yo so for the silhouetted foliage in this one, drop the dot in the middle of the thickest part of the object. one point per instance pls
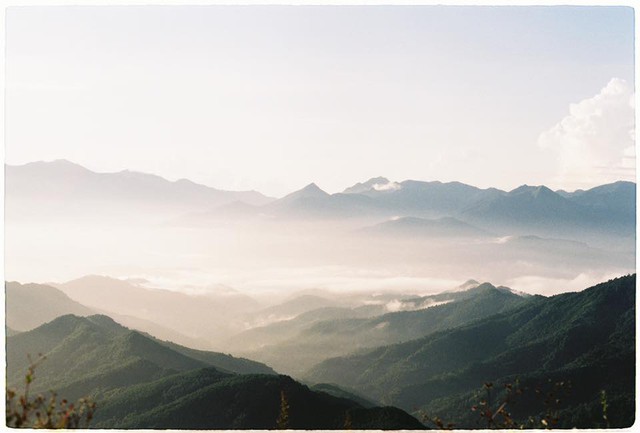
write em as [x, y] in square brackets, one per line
[40, 411]
[282, 423]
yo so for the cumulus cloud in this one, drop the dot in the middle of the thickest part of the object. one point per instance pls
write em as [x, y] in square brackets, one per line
[595, 143]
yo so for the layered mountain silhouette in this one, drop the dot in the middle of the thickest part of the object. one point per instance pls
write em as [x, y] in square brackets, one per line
[209, 399]
[140, 382]
[586, 339]
[203, 317]
[431, 198]
[92, 355]
[312, 202]
[30, 305]
[296, 345]
[61, 188]
[412, 227]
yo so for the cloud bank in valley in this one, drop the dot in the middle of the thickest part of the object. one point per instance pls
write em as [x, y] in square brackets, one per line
[595, 143]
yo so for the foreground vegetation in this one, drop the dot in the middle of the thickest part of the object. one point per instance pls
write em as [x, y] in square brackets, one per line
[560, 362]
[45, 410]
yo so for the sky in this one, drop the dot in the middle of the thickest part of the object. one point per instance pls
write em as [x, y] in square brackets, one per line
[274, 98]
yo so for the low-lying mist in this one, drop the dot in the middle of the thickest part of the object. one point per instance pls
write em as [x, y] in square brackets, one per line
[276, 258]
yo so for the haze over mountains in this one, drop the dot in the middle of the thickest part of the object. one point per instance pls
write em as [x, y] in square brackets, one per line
[585, 339]
[140, 382]
[420, 353]
[57, 183]
[158, 298]
[375, 234]
[62, 182]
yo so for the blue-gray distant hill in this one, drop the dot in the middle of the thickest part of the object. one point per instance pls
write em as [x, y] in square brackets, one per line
[61, 189]
[413, 227]
[608, 208]
[424, 198]
[313, 202]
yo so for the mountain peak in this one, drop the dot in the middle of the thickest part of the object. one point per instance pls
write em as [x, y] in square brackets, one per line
[534, 190]
[312, 187]
[374, 184]
[310, 191]
[470, 283]
[376, 180]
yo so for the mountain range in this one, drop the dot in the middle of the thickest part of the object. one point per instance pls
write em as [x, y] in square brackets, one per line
[63, 188]
[295, 345]
[140, 382]
[427, 355]
[584, 339]
[91, 355]
[153, 357]
[199, 317]
[30, 305]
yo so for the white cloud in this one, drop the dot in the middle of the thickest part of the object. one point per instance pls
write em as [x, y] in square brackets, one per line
[390, 186]
[549, 286]
[595, 143]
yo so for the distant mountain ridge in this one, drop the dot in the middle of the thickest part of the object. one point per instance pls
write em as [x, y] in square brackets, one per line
[63, 188]
[50, 185]
[196, 316]
[423, 227]
[31, 305]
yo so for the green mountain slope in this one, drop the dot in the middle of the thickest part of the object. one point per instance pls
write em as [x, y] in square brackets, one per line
[336, 337]
[95, 354]
[587, 338]
[209, 399]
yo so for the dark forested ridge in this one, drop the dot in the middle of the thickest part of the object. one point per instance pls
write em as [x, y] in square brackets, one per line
[140, 382]
[586, 339]
[93, 355]
[209, 399]
[571, 357]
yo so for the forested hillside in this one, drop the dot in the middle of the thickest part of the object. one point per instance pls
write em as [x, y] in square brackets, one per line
[585, 338]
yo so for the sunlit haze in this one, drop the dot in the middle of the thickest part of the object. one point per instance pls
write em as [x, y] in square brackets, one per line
[152, 143]
[274, 98]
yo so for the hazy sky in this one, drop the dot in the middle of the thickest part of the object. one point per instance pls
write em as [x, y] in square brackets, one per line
[273, 98]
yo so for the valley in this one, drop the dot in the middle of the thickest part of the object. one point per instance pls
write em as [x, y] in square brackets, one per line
[233, 310]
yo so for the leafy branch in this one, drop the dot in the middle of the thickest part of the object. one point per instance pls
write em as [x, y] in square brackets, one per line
[23, 411]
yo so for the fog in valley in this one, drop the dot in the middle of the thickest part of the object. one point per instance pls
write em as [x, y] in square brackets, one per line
[221, 270]
[320, 217]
